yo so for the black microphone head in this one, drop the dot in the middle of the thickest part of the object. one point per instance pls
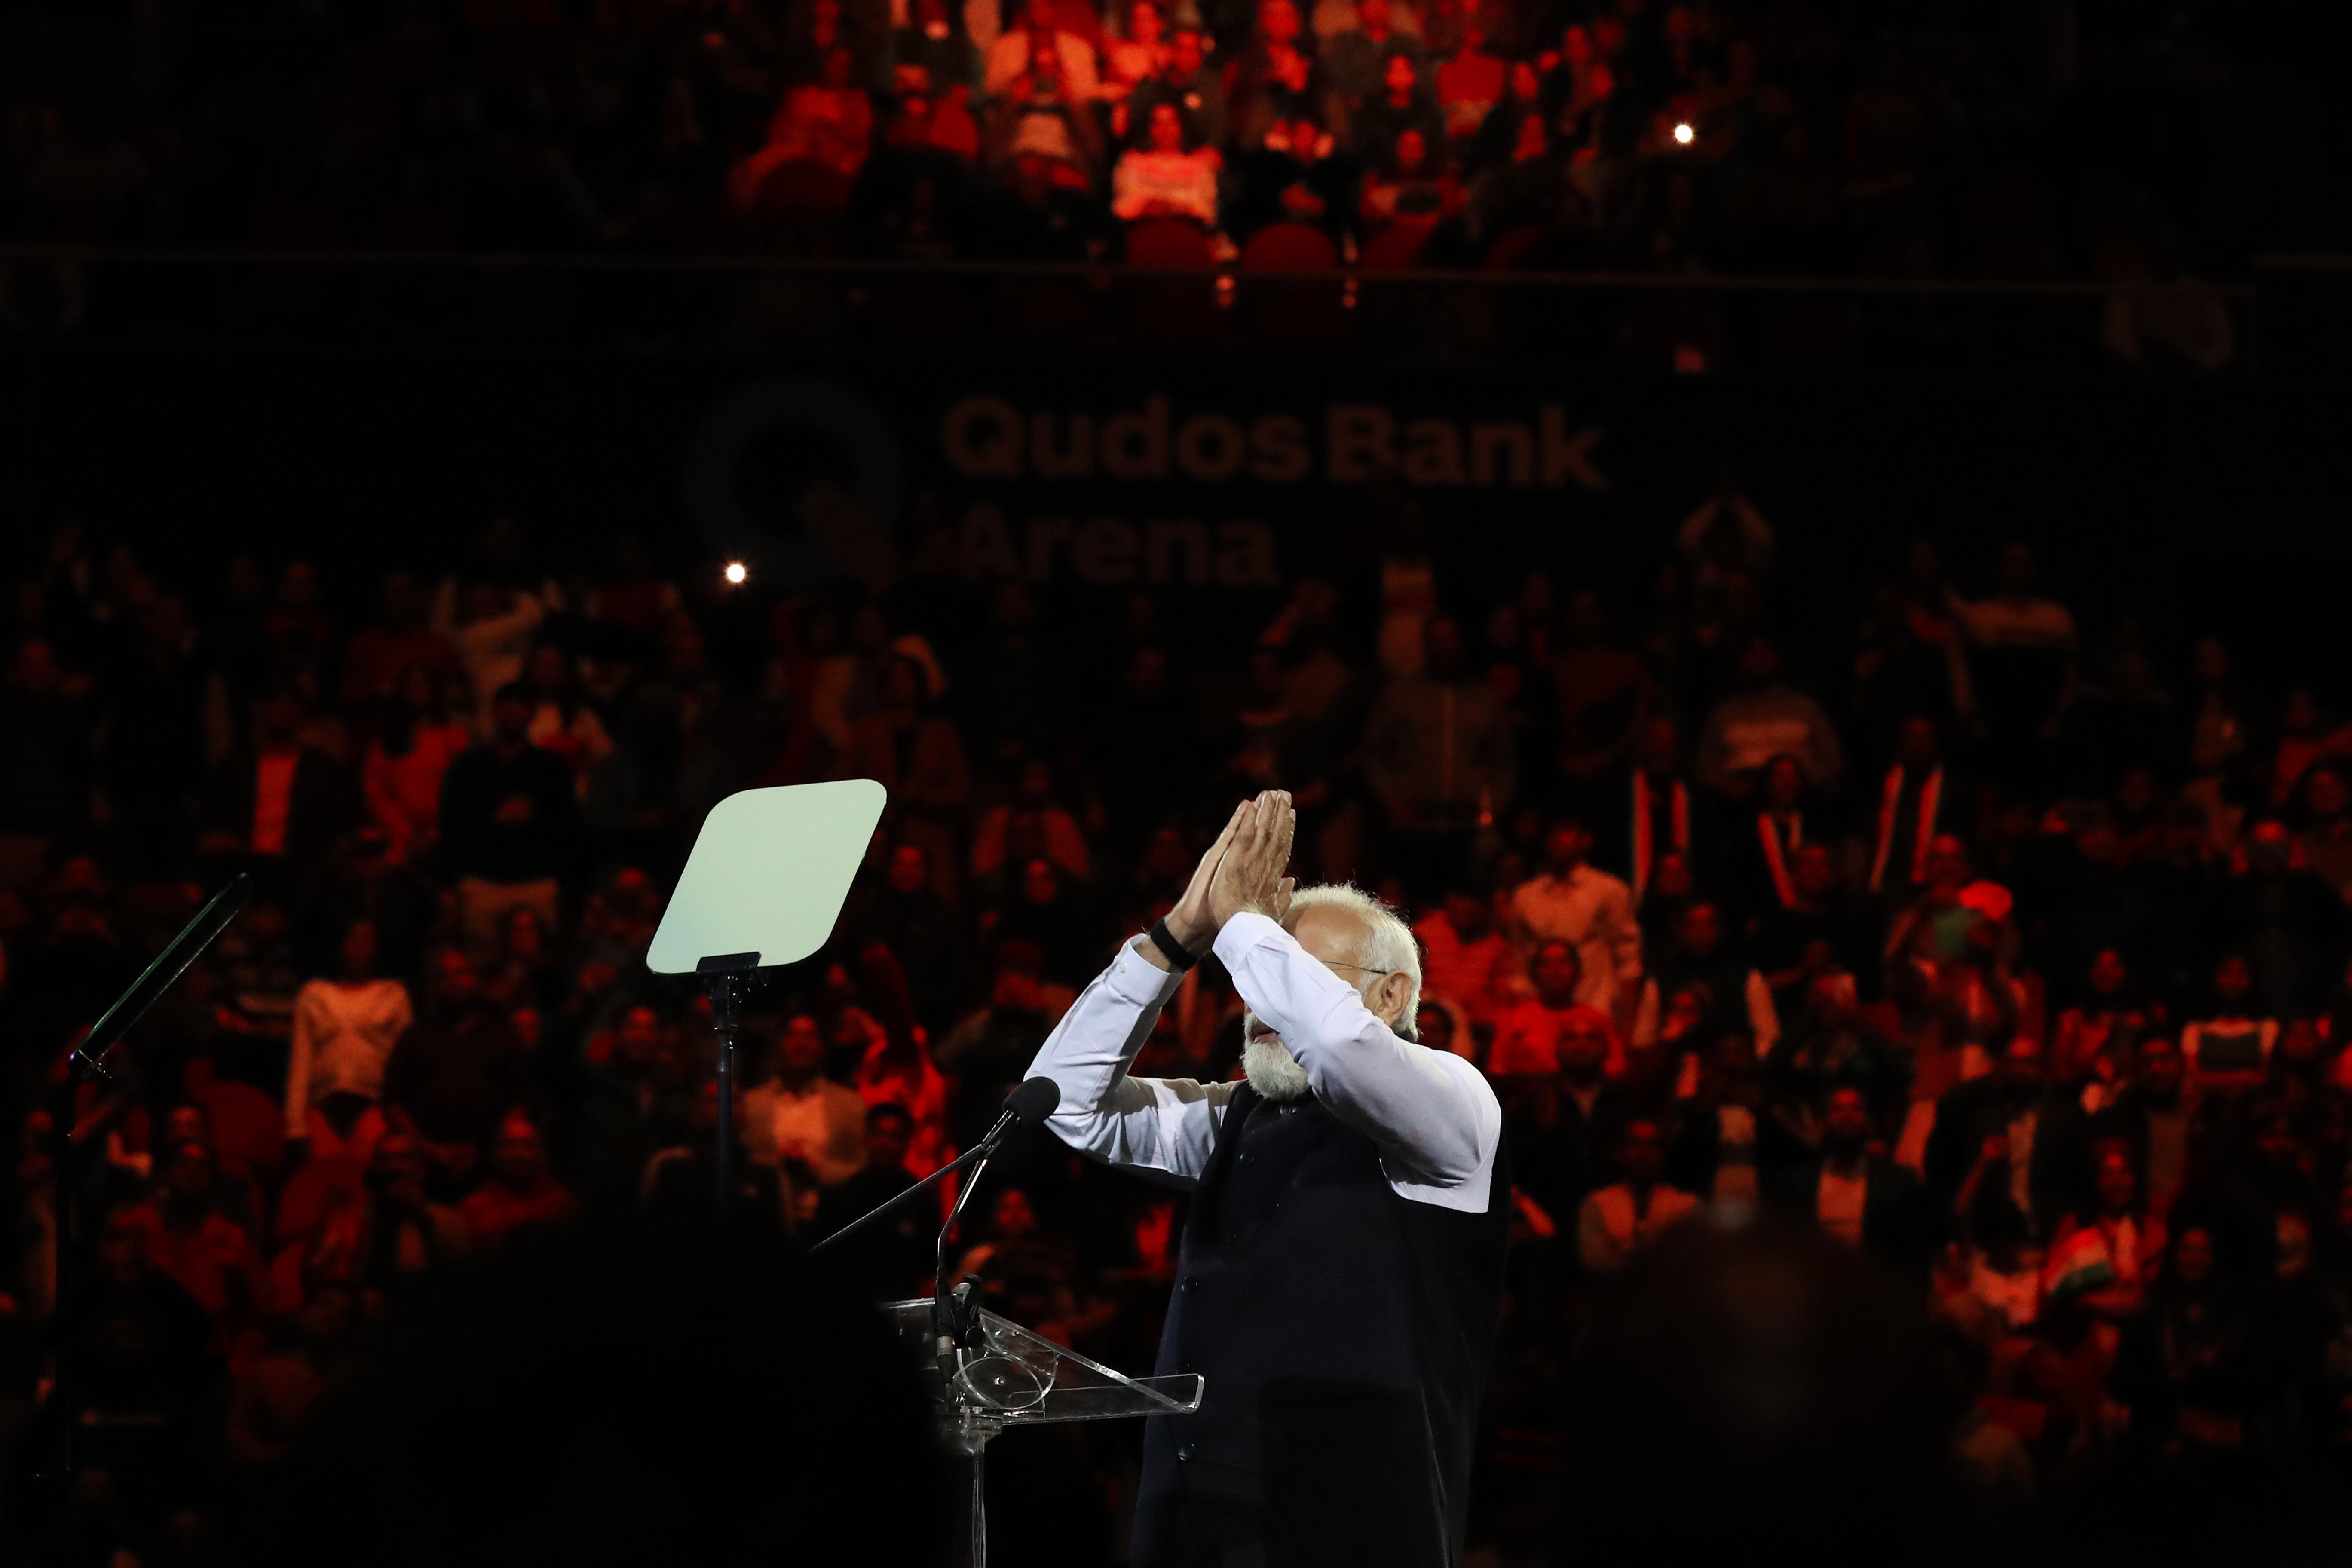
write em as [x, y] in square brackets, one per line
[1033, 1101]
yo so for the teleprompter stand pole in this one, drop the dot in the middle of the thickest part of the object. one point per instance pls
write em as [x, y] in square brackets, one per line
[727, 978]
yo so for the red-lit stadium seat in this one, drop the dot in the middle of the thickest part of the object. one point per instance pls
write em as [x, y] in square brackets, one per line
[1289, 246]
[1167, 242]
[1395, 247]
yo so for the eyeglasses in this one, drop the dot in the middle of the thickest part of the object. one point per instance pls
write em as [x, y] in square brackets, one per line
[1335, 963]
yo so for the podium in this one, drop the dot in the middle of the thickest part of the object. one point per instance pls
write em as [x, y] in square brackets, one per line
[1007, 1377]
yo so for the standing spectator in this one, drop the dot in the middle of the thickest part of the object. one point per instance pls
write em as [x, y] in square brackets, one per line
[1354, 61]
[1654, 819]
[2023, 670]
[890, 1259]
[1913, 802]
[1764, 857]
[1762, 718]
[508, 819]
[1589, 909]
[2230, 1040]
[379, 657]
[559, 721]
[345, 1028]
[1622, 1219]
[1437, 754]
[457, 1070]
[1853, 1192]
[1465, 960]
[281, 805]
[809, 1119]
[492, 636]
[1527, 1035]
[400, 772]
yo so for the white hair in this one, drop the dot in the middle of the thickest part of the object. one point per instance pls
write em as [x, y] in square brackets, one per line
[1387, 945]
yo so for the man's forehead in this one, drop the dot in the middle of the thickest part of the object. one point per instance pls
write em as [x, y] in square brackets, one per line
[1329, 931]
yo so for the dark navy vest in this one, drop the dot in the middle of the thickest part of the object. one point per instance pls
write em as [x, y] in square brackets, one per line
[1343, 1332]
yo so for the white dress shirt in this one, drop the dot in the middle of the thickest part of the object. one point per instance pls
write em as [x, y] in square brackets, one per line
[1433, 1115]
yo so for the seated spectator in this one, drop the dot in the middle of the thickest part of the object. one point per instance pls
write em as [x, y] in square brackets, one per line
[2107, 1257]
[1409, 186]
[912, 197]
[1044, 118]
[1620, 1219]
[400, 772]
[273, 1393]
[892, 1258]
[508, 819]
[345, 1029]
[1853, 1191]
[828, 122]
[1162, 178]
[518, 1190]
[280, 806]
[1465, 959]
[1528, 1033]
[2186, 1364]
[2000, 1158]
[142, 1348]
[921, 931]
[457, 1070]
[211, 1257]
[1761, 720]
[1355, 62]
[2227, 1042]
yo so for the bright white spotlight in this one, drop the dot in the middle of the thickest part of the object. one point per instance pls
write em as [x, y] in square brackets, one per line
[1683, 133]
[736, 572]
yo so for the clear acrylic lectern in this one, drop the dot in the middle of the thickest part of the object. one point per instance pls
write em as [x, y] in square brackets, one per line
[1007, 1377]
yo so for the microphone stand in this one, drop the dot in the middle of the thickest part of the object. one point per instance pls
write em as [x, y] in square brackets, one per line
[86, 1063]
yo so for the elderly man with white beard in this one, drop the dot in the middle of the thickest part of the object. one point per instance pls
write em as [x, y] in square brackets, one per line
[1342, 1265]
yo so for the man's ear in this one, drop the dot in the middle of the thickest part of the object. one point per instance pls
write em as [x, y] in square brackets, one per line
[1391, 993]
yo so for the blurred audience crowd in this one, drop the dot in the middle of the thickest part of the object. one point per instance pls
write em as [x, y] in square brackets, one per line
[2009, 950]
[2065, 140]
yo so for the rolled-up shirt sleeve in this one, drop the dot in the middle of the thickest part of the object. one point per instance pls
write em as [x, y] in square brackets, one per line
[1162, 1127]
[1432, 1114]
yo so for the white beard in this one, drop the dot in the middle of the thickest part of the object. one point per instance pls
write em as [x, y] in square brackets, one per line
[1271, 1069]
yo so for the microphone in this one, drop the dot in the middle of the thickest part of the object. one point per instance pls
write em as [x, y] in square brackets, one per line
[1027, 1105]
[954, 1312]
[1031, 1102]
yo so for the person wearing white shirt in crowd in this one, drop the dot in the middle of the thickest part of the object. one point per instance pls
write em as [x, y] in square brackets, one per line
[1622, 1219]
[1342, 1263]
[1592, 911]
[344, 1030]
[1161, 179]
[800, 1114]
